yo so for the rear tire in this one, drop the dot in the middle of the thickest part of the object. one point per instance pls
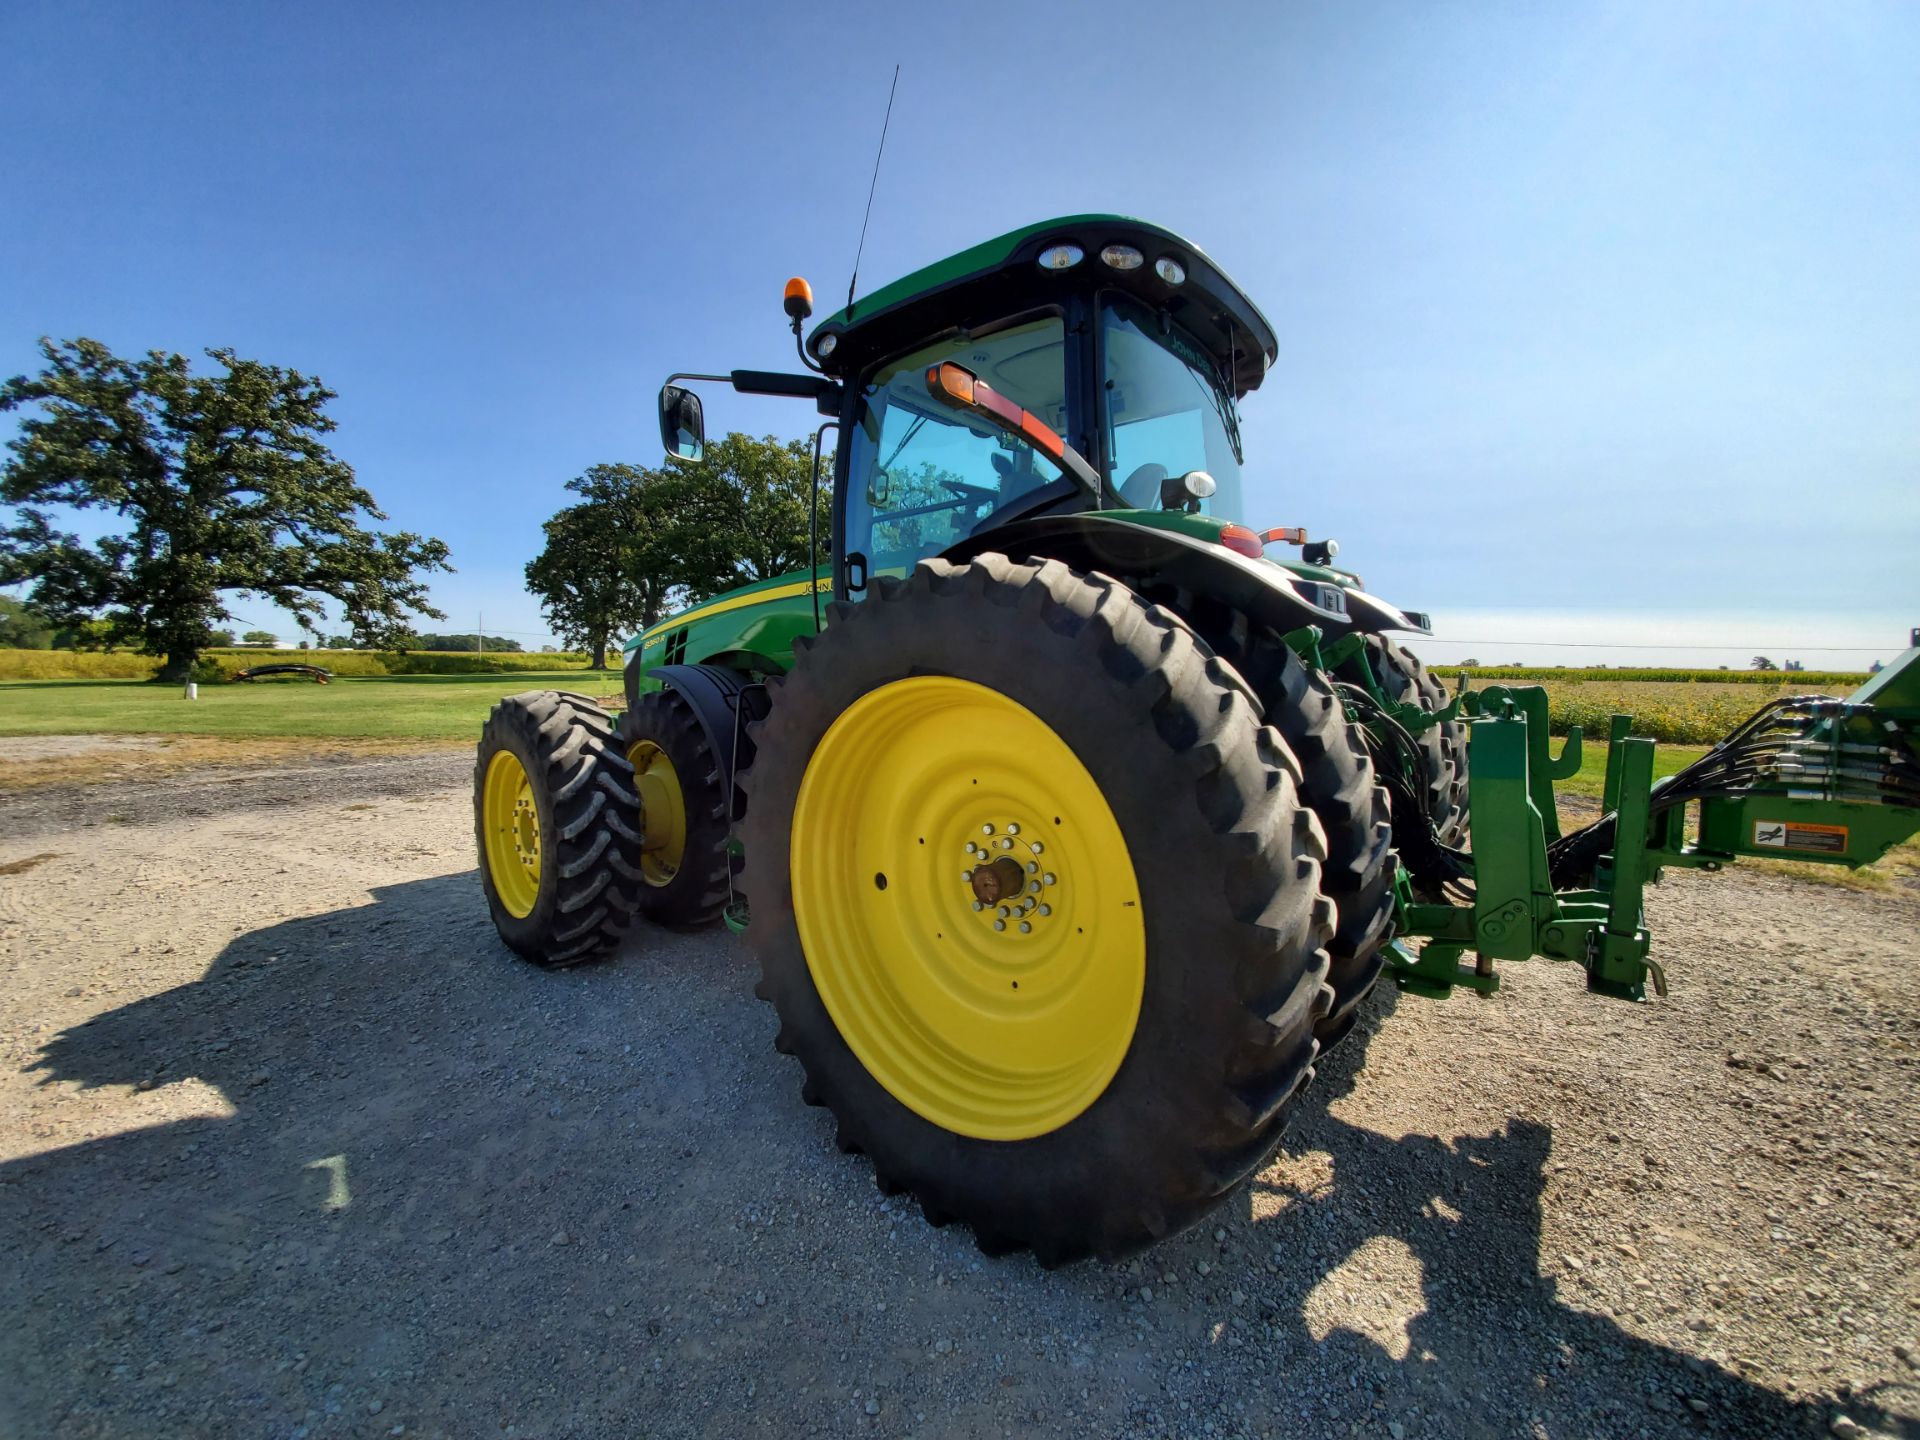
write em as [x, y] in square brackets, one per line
[555, 820]
[1221, 861]
[1404, 678]
[1338, 782]
[683, 811]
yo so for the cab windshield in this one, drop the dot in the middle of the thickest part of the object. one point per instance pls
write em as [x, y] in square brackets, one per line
[923, 475]
[1167, 412]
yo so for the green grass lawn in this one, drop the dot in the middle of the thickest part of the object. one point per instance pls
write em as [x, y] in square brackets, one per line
[407, 707]
[400, 707]
[1592, 777]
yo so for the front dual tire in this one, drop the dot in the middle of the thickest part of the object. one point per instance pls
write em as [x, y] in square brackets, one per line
[557, 826]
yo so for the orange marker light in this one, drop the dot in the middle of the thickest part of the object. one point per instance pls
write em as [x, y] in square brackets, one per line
[1242, 541]
[1292, 534]
[952, 383]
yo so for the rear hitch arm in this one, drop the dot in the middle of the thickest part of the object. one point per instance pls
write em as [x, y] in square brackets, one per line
[1825, 781]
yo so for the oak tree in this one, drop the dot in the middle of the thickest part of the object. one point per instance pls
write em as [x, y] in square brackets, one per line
[221, 484]
[603, 569]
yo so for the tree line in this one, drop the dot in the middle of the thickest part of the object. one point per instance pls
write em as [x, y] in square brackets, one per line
[641, 543]
[222, 485]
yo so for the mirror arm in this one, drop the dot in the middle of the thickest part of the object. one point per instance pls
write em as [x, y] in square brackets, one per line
[826, 393]
[777, 382]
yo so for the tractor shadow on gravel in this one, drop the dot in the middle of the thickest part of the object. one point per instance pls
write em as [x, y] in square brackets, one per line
[473, 1193]
[1483, 1343]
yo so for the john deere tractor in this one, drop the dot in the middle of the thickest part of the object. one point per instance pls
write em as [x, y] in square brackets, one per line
[1069, 817]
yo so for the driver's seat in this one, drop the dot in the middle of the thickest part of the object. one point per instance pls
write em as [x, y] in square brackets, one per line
[1141, 489]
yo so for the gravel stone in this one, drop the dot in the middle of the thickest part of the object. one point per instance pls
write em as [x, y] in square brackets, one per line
[381, 1219]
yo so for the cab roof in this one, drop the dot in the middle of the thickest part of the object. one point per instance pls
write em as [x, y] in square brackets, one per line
[1002, 277]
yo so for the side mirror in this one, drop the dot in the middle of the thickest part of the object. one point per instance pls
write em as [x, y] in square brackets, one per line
[683, 424]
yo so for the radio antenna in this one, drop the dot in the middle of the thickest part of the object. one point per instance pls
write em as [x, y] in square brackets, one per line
[872, 185]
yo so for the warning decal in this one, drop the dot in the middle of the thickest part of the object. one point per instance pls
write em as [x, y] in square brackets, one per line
[1796, 835]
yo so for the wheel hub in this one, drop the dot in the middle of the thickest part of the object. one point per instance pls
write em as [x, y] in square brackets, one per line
[526, 832]
[1012, 891]
[663, 813]
[511, 822]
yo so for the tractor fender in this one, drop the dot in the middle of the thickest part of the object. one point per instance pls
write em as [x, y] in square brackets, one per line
[1263, 591]
[1371, 615]
[716, 695]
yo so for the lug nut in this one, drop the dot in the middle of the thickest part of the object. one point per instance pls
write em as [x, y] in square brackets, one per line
[978, 905]
[1025, 928]
[1006, 844]
[1038, 848]
[1046, 909]
[1048, 878]
[986, 829]
[1003, 912]
[1033, 867]
[1013, 829]
[999, 924]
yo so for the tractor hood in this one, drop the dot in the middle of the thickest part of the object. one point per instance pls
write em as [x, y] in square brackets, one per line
[1365, 612]
[1142, 547]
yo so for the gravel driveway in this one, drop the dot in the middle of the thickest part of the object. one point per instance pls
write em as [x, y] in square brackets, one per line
[290, 1145]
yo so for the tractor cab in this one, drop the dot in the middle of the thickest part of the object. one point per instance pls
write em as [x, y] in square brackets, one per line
[974, 386]
[1091, 363]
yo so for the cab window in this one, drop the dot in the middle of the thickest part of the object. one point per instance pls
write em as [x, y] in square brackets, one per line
[1168, 411]
[921, 475]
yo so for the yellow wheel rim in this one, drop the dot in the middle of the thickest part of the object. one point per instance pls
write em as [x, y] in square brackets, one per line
[663, 813]
[512, 824]
[1000, 1020]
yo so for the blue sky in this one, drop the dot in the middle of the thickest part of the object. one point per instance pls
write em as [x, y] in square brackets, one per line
[1600, 323]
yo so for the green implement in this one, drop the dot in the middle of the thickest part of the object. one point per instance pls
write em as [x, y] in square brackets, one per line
[1834, 782]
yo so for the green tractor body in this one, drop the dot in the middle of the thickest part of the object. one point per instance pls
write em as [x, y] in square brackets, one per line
[1139, 375]
[1070, 816]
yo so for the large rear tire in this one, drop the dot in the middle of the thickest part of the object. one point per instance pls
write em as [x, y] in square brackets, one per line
[1339, 784]
[1091, 1058]
[683, 811]
[1405, 678]
[555, 820]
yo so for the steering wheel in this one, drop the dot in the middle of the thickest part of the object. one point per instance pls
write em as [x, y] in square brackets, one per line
[969, 492]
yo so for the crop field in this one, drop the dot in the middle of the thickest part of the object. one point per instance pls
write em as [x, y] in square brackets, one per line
[1839, 681]
[1680, 712]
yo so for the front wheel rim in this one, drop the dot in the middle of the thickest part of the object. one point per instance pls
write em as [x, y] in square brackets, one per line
[510, 819]
[1001, 1018]
[663, 813]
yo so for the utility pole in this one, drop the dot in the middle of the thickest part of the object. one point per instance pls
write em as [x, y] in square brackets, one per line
[480, 635]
